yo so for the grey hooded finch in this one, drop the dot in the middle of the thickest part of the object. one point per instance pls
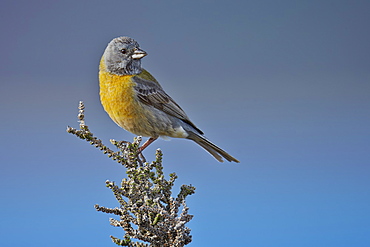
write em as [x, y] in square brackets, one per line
[135, 100]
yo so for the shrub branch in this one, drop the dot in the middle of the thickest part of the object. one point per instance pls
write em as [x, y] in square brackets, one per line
[147, 212]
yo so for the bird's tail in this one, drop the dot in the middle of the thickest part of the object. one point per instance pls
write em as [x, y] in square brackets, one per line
[211, 148]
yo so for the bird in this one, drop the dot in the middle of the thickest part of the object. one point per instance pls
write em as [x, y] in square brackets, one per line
[136, 101]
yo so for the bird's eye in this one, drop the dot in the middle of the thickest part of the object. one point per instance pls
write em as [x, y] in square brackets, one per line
[123, 51]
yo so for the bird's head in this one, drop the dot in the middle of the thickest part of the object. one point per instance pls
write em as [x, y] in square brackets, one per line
[123, 56]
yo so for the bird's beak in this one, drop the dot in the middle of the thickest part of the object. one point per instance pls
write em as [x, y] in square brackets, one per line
[139, 54]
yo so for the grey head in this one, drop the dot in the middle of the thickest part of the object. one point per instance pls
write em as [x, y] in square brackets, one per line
[123, 56]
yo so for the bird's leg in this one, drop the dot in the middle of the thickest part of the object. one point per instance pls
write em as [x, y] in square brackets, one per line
[147, 143]
[141, 158]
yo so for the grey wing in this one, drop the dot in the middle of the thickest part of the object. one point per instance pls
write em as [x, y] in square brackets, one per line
[152, 94]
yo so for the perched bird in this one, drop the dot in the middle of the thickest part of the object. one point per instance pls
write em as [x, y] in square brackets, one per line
[135, 100]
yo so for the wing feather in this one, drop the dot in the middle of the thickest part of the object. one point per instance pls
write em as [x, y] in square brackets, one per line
[151, 93]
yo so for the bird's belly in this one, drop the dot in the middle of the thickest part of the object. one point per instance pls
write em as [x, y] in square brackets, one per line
[119, 100]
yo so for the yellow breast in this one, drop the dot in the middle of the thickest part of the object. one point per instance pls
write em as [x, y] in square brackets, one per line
[117, 96]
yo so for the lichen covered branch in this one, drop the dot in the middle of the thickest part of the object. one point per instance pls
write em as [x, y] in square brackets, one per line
[147, 211]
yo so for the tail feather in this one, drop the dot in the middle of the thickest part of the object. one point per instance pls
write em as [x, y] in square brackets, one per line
[214, 150]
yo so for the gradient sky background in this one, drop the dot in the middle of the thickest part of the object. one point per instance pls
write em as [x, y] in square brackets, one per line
[284, 86]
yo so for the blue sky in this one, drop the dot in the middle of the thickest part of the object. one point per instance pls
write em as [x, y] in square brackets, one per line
[283, 86]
